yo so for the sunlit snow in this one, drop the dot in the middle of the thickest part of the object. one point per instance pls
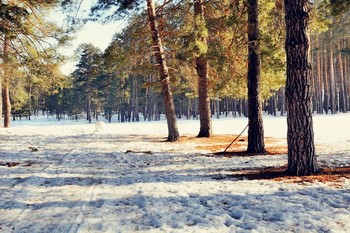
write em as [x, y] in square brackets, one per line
[69, 176]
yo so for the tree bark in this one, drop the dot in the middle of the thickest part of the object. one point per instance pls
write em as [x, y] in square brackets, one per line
[173, 133]
[202, 72]
[6, 87]
[256, 130]
[342, 105]
[347, 72]
[7, 104]
[147, 96]
[319, 79]
[332, 85]
[1, 103]
[325, 84]
[282, 102]
[88, 109]
[136, 110]
[346, 80]
[313, 89]
[2, 76]
[301, 148]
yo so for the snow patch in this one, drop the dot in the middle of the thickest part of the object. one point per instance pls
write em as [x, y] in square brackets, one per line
[81, 180]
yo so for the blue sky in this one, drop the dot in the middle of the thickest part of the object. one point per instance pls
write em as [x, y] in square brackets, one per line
[96, 33]
[93, 32]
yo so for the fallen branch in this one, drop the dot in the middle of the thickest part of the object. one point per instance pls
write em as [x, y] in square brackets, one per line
[236, 138]
[139, 152]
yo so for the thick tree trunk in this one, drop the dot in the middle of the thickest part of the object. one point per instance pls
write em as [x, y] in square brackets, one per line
[173, 133]
[202, 71]
[255, 121]
[301, 148]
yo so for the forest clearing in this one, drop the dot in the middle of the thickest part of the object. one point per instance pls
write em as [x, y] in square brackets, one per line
[68, 176]
[191, 116]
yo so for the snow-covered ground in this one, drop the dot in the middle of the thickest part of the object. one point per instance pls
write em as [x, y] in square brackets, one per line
[71, 176]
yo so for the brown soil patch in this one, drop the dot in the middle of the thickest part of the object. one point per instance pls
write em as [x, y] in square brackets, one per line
[327, 175]
[218, 143]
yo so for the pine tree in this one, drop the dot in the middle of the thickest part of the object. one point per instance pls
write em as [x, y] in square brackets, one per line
[256, 130]
[201, 34]
[300, 137]
[173, 133]
[24, 32]
[88, 69]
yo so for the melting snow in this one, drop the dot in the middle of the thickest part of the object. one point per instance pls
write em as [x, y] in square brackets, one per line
[72, 176]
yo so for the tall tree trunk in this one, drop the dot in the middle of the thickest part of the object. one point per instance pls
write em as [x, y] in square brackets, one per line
[332, 85]
[188, 112]
[342, 106]
[6, 87]
[147, 96]
[88, 109]
[173, 133]
[325, 83]
[347, 72]
[2, 76]
[313, 89]
[217, 104]
[1, 103]
[136, 111]
[319, 79]
[202, 70]
[301, 148]
[240, 107]
[255, 121]
[236, 107]
[7, 103]
[282, 103]
[346, 79]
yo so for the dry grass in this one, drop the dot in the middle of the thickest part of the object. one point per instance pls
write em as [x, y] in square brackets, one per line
[218, 143]
[334, 175]
[274, 146]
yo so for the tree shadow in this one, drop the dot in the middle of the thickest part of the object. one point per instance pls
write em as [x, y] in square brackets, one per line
[305, 209]
[326, 174]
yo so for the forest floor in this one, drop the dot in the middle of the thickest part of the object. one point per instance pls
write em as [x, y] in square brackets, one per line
[230, 146]
[76, 177]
